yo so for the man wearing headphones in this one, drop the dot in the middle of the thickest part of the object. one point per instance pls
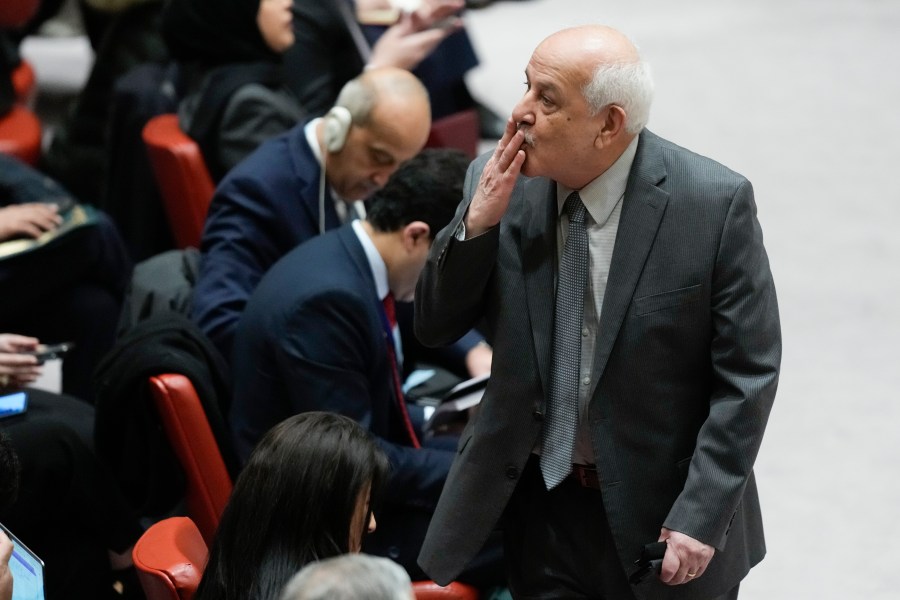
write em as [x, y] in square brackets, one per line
[300, 184]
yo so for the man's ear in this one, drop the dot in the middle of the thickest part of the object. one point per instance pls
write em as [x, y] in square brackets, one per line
[414, 233]
[612, 125]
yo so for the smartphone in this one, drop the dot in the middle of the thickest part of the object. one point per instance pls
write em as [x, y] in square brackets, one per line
[50, 352]
[27, 570]
[451, 22]
[13, 404]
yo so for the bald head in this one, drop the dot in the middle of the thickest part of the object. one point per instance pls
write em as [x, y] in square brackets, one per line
[389, 86]
[390, 118]
[596, 43]
[610, 68]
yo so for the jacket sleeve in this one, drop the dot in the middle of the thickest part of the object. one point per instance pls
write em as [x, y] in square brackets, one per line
[238, 247]
[451, 289]
[745, 355]
[332, 359]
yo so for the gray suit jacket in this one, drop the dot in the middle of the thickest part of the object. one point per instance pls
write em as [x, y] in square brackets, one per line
[686, 363]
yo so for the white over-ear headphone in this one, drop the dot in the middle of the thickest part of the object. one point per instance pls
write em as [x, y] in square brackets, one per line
[337, 126]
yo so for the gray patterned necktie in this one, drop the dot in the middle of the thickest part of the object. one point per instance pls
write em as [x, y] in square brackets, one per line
[558, 438]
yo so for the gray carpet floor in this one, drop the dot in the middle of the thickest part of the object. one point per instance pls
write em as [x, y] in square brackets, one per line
[798, 96]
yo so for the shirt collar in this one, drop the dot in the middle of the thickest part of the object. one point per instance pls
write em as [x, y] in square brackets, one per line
[376, 263]
[601, 195]
[309, 130]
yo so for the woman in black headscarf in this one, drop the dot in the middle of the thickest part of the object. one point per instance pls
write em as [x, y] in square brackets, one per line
[230, 53]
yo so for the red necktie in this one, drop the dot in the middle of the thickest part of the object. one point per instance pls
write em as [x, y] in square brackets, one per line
[391, 313]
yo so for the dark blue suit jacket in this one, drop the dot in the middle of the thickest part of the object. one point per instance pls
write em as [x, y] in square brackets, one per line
[263, 208]
[311, 338]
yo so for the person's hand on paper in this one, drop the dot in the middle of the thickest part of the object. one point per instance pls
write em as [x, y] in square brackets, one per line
[28, 220]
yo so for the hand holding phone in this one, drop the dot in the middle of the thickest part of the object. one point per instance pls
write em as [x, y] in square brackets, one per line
[17, 368]
[46, 352]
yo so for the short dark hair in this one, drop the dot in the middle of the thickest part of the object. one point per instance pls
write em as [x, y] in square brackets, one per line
[292, 504]
[428, 188]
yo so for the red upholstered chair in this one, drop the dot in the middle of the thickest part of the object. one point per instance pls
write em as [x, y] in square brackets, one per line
[23, 81]
[429, 590]
[208, 483]
[171, 555]
[20, 134]
[183, 178]
[459, 130]
[169, 559]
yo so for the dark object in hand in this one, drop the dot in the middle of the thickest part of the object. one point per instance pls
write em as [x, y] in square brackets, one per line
[650, 562]
[44, 353]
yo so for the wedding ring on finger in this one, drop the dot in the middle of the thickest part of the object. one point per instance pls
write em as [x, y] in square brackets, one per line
[691, 574]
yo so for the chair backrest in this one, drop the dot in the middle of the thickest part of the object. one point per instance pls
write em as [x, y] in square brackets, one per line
[429, 590]
[459, 130]
[208, 484]
[20, 135]
[182, 175]
[169, 558]
[23, 82]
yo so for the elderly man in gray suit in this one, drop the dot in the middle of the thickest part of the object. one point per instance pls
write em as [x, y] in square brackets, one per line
[624, 285]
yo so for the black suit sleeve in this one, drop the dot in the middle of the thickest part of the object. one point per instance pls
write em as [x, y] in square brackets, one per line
[450, 294]
[332, 359]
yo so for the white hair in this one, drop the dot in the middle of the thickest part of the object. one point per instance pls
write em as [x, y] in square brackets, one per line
[628, 85]
[350, 577]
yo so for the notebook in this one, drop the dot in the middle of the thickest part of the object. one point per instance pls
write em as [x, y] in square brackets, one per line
[27, 571]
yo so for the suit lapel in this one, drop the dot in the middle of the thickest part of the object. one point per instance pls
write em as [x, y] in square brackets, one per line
[642, 210]
[539, 265]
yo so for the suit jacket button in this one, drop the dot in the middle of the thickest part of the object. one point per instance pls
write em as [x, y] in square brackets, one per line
[512, 472]
[538, 415]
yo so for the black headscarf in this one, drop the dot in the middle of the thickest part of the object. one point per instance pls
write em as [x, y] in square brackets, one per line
[215, 32]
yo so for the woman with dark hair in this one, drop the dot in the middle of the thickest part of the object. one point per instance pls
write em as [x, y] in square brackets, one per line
[304, 495]
[230, 55]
